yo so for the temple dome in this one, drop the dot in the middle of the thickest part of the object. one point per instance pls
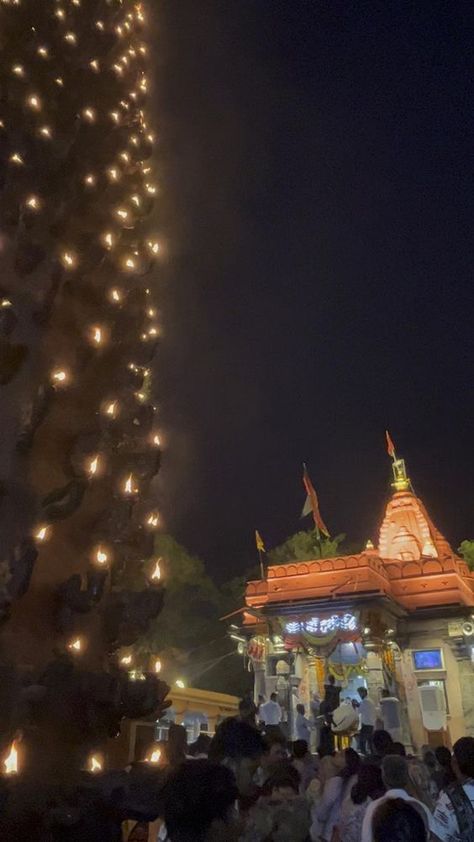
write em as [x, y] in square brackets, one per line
[407, 532]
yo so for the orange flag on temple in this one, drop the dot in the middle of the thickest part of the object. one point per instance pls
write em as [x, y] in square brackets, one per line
[390, 445]
[312, 504]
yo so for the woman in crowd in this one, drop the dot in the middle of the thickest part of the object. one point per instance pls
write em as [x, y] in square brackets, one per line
[326, 814]
[367, 788]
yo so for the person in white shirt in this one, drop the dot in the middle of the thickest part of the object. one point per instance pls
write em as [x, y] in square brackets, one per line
[270, 712]
[302, 725]
[368, 717]
[396, 779]
[453, 818]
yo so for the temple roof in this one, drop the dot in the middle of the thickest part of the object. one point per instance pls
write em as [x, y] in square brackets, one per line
[414, 565]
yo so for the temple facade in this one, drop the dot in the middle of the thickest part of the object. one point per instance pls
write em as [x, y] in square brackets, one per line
[398, 616]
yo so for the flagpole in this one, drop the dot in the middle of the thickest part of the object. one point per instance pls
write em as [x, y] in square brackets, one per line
[262, 569]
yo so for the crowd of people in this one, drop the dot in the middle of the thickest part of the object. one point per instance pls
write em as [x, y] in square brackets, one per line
[250, 784]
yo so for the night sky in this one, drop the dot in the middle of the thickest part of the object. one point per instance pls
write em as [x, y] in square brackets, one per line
[318, 210]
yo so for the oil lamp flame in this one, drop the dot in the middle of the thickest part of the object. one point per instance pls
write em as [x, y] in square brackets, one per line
[75, 645]
[155, 756]
[156, 575]
[101, 556]
[93, 466]
[11, 761]
[158, 666]
[95, 764]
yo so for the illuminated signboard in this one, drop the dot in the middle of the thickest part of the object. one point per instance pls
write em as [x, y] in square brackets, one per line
[323, 625]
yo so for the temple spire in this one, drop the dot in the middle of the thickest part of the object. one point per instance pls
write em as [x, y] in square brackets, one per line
[401, 482]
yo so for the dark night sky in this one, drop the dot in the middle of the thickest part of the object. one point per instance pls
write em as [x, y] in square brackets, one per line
[318, 209]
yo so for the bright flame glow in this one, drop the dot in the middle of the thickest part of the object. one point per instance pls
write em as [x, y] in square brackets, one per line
[129, 485]
[108, 239]
[68, 259]
[42, 533]
[158, 666]
[59, 376]
[111, 409]
[75, 645]
[153, 246]
[116, 295]
[93, 466]
[156, 575]
[97, 335]
[34, 102]
[101, 556]
[10, 763]
[180, 683]
[95, 764]
[126, 660]
[89, 114]
[18, 70]
[16, 158]
[45, 131]
[153, 520]
[155, 756]
[33, 202]
[90, 180]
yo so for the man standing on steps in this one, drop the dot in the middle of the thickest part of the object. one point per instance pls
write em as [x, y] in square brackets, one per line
[270, 714]
[368, 716]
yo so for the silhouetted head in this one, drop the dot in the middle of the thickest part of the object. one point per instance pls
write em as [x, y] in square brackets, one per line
[398, 821]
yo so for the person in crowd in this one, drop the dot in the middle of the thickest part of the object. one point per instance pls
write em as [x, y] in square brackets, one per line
[331, 696]
[199, 804]
[422, 787]
[302, 725]
[454, 811]
[397, 782]
[396, 820]
[443, 775]
[240, 748]
[382, 744]
[327, 812]
[317, 720]
[429, 759]
[248, 711]
[368, 716]
[367, 788]
[200, 748]
[398, 748]
[139, 832]
[304, 763]
[274, 753]
[280, 813]
[176, 747]
[328, 767]
[390, 713]
[271, 713]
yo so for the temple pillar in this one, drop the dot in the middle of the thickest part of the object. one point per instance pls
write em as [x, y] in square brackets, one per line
[259, 684]
[375, 676]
